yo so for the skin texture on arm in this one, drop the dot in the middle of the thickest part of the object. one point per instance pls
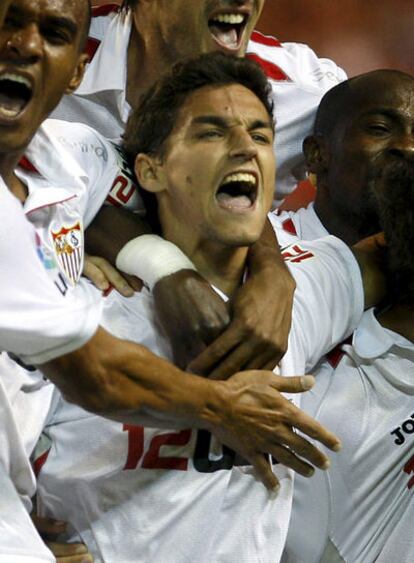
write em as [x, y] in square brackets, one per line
[261, 316]
[124, 381]
[194, 316]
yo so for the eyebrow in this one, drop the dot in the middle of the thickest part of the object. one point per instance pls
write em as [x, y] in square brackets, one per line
[54, 21]
[62, 22]
[224, 123]
[386, 112]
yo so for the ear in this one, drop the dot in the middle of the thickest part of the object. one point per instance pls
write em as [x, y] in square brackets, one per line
[78, 73]
[315, 151]
[149, 173]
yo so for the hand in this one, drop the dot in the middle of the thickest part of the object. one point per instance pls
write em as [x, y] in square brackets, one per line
[63, 552]
[191, 313]
[105, 277]
[257, 419]
[261, 318]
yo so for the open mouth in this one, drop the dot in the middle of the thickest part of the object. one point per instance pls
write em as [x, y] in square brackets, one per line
[237, 192]
[227, 29]
[15, 94]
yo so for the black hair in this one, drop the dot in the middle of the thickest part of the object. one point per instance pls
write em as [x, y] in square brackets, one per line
[152, 122]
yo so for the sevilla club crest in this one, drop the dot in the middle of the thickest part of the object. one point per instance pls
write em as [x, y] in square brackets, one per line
[68, 243]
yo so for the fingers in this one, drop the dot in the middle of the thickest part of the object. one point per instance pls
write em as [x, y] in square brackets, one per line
[47, 526]
[309, 426]
[264, 471]
[290, 459]
[294, 446]
[296, 384]
[95, 275]
[70, 552]
[134, 282]
[205, 363]
[103, 275]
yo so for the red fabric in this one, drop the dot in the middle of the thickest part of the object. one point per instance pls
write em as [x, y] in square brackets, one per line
[271, 70]
[302, 196]
[267, 40]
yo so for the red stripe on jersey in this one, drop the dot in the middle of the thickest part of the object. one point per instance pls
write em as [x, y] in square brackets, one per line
[289, 226]
[335, 355]
[92, 45]
[271, 70]
[409, 466]
[25, 163]
[39, 462]
[104, 10]
[267, 40]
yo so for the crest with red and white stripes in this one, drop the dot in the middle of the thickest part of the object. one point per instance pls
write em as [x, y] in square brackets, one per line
[68, 244]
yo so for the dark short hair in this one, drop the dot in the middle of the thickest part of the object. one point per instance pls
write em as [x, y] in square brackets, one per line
[152, 122]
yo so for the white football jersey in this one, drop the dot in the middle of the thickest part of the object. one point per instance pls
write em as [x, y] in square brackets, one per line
[136, 494]
[302, 224]
[298, 78]
[47, 311]
[361, 509]
[19, 541]
[39, 320]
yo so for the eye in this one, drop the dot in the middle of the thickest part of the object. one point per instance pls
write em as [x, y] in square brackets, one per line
[12, 22]
[378, 129]
[56, 36]
[261, 138]
[210, 134]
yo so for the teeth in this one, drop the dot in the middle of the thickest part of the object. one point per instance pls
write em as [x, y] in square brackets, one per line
[16, 78]
[9, 112]
[229, 18]
[240, 177]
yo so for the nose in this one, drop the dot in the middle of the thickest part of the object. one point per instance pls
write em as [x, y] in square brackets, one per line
[403, 146]
[25, 44]
[242, 145]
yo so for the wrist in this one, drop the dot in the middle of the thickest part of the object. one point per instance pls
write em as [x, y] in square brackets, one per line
[152, 258]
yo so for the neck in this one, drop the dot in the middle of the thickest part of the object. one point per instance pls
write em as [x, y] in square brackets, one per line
[400, 319]
[8, 163]
[221, 265]
[146, 61]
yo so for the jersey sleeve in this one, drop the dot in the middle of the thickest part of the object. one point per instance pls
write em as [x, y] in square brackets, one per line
[329, 297]
[97, 166]
[41, 317]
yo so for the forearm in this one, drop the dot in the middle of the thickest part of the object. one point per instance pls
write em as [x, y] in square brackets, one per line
[111, 229]
[265, 255]
[126, 382]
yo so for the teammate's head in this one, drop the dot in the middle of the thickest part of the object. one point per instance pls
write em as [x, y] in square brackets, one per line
[188, 28]
[361, 125]
[203, 138]
[41, 58]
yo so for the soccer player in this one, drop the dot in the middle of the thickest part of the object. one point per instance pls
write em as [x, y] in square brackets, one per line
[92, 368]
[132, 48]
[363, 154]
[203, 142]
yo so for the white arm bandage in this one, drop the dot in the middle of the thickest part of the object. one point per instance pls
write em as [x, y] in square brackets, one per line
[150, 258]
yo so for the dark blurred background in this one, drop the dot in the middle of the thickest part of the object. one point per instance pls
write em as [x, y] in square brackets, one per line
[358, 35]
